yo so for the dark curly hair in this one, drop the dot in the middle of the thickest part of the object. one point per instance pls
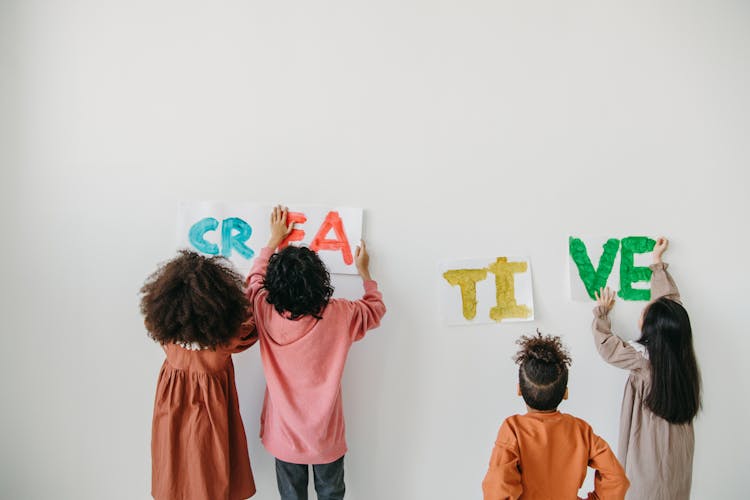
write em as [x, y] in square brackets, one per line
[298, 282]
[542, 370]
[194, 299]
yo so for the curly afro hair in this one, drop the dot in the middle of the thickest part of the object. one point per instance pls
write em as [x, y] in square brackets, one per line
[194, 299]
[298, 282]
[543, 370]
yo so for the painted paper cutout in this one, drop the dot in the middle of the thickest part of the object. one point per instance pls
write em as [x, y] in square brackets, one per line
[234, 233]
[340, 243]
[629, 273]
[197, 233]
[593, 279]
[622, 264]
[505, 294]
[468, 297]
[239, 230]
[297, 218]
[466, 279]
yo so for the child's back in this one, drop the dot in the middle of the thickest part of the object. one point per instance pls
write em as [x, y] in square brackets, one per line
[303, 360]
[545, 454]
[195, 308]
[305, 337]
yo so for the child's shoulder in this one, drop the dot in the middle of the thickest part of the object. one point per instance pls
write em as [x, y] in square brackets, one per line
[578, 422]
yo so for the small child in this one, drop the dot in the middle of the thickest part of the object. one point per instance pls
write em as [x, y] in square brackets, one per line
[544, 453]
[196, 309]
[305, 337]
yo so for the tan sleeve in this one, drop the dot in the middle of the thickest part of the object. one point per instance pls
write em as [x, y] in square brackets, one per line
[503, 478]
[610, 482]
[662, 284]
[612, 348]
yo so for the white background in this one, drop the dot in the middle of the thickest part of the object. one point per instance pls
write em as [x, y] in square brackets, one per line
[463, 127]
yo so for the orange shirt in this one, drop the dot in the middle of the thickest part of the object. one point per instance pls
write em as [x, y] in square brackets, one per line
[545, 455]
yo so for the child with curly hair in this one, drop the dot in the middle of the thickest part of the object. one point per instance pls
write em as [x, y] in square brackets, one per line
[305, 337]
[545, 453]
[195, 307]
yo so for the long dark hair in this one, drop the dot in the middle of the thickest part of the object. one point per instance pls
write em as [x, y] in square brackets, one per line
[675, 393]
[194, 299]
[297, 282]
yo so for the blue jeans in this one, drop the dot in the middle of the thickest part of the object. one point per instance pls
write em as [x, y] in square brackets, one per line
[293, 478]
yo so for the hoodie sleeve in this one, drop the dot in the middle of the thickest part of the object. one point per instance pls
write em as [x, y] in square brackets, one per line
[254, 283]
[366, 313]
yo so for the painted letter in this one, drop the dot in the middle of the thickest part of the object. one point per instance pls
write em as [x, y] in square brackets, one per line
[506, 290]
[198, 230]
[296, 234]
[593, 279]
[629, 273]
[333, 221]
[466, 279]
[237, 240]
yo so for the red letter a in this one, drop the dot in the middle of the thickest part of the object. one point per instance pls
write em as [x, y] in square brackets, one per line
[333, 221]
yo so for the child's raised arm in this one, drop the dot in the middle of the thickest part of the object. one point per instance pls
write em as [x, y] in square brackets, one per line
[612, 348]
[370, 309]
[247, 336]
[662, 284]
[279, 231]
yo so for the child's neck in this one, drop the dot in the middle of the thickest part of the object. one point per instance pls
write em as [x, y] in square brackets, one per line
[534, 410]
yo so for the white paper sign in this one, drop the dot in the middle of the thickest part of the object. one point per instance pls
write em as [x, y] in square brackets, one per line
[238, 231]
[480, 291]
[618, 262]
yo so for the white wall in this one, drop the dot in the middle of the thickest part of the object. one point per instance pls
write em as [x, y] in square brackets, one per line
[465, 128]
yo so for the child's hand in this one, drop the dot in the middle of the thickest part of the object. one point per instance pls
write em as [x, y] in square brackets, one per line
[659, 248]
[279, 229]
[605, 298]
[362, 260]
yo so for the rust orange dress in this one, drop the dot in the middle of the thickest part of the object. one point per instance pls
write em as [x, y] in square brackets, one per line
[198, 443]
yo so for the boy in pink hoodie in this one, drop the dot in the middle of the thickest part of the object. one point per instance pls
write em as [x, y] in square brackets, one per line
[305, 337]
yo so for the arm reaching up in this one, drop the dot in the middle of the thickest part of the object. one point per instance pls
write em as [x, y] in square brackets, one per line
[662, 284]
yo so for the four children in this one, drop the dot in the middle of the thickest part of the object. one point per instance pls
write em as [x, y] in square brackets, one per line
[195, 307]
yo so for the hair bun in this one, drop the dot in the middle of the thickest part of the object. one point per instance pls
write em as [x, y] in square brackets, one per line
[543, 352]
[544, 348]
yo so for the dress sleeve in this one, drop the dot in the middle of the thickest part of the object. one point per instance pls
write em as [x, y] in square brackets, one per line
[503, 478]
[366, 312]
[246, 337]
[662, 284]
[610, 481]
[612, 348]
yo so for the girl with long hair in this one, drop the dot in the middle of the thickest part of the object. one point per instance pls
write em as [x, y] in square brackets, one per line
[663, 393]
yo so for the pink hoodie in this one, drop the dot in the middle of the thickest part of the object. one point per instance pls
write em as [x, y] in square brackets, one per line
[303, 419]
